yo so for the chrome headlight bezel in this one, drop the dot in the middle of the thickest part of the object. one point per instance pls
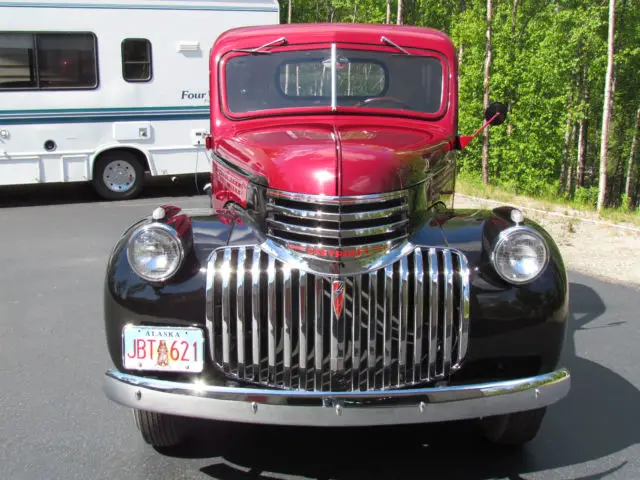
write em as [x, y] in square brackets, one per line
[508, 235]
[175, 238]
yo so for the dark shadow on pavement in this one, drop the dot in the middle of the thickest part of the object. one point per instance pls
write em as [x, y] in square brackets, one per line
[594, 421]
[78, 192]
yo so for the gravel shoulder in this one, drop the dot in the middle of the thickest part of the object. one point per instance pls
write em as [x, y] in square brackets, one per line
[607, 251]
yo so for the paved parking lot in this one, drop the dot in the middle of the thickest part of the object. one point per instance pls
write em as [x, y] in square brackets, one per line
[55, 422]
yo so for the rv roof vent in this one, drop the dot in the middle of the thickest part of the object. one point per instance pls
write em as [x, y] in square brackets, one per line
[188, 46]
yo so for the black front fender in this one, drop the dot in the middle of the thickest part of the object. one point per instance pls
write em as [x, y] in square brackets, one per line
[180, 301]
[515, 330]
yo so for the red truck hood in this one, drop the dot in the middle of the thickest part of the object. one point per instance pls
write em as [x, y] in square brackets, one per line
[332, 159]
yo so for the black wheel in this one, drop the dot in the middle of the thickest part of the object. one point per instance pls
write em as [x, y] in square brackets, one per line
[514, 429]
[160, 429]
[118, 175]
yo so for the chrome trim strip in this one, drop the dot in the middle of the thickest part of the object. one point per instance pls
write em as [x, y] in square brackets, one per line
[433, 312]
[403, 305]
[448, 312]
[226, 315]
[463, 332]
[287, 313]
[388, 327]
[356, 310]
[318, 348]
[338, 200]
[255, 315]
[337, 232]
[271, 318]
[372, 331]
[334, 80]
[303, 325]
[336, 217]
[210, 296]
[360, 408]
[418, 302]
[240, 311]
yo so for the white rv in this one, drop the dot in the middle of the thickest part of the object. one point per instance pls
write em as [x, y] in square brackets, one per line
[105, 91]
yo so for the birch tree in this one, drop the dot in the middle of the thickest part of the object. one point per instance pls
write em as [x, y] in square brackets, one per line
[606, 109]
[487, 78]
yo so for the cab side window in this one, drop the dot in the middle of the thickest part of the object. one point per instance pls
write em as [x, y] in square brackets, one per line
[136, 60]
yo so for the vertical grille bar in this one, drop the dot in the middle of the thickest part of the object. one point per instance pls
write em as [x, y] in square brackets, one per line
[372, 331]
[448, 312]
[211, 305]
[433, 312]
[255, 315]
[418, 306]
[226, 314]
[388, 327]
[302, 319]
[240, 311]
[287, 306]
[318, 350]
[403, 306]
[463, 328]
[271, 318]
[355, 334]
[386, 336]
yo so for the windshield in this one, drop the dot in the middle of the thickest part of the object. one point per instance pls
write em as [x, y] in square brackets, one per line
[361, 78]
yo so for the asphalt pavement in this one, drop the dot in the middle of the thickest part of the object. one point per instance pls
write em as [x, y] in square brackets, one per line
[56, 423]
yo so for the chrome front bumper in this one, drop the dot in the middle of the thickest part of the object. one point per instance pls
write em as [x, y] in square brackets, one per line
[320, 409]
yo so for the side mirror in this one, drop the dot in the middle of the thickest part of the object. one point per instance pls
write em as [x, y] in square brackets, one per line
[496, 108]
[495, 114]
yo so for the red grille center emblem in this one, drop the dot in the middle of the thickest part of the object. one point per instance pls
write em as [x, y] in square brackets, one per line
[337, 297]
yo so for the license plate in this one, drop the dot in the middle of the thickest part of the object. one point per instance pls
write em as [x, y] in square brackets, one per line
[169, 349]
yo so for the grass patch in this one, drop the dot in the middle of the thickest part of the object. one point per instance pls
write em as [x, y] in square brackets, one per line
[584, 201]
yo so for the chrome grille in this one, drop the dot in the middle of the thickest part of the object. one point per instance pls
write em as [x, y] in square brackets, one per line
[274, 326]
[337, 221]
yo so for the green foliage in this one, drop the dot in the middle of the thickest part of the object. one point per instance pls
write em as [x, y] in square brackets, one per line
[586, 196]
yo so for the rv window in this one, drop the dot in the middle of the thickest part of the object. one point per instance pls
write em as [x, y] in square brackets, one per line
[17, 61]
[48, 61]
[67, 60]
[136, 60]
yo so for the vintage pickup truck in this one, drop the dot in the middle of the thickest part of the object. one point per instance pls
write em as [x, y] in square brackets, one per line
[330, 281]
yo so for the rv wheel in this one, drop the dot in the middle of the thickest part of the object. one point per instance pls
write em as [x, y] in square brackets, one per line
[118, 175]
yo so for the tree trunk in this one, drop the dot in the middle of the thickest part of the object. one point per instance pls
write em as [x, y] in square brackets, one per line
[582, 139]
[388, 11]
[570, 180]
[290, 11]
[606, 114]
[632, 154]
[565, 148]
[399, 19]
[355, 11]
[487, 77]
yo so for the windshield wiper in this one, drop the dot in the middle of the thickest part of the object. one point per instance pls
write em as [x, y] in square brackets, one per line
[259, 49]
[386, 40]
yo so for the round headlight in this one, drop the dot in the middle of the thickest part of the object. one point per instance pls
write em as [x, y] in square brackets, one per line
[520, 255]
[155, 252]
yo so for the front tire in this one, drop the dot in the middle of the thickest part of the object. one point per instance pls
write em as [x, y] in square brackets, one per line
[514, 429]
[160, 429]
[118, 175]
